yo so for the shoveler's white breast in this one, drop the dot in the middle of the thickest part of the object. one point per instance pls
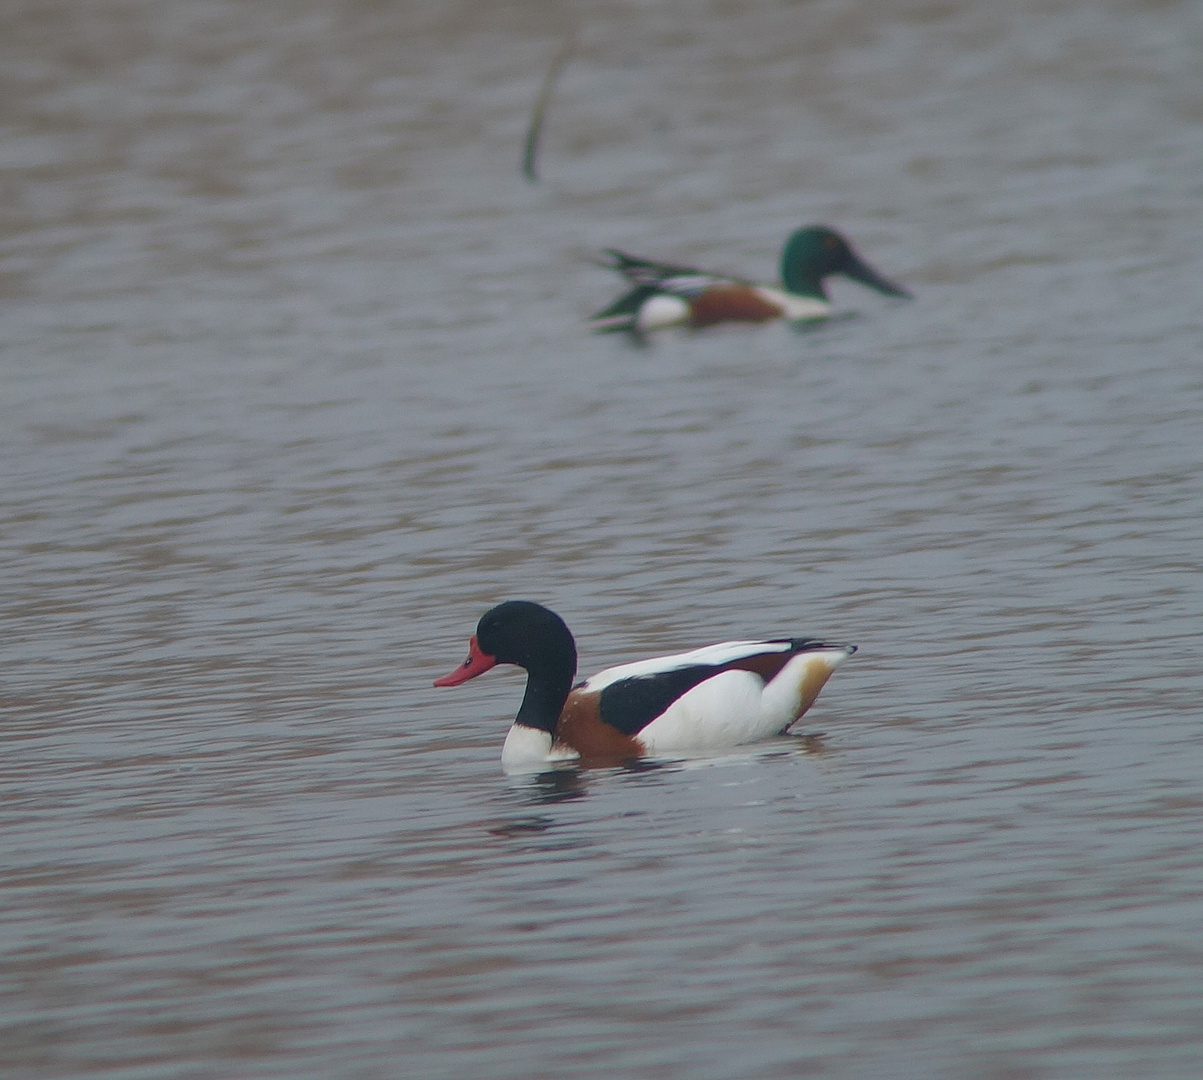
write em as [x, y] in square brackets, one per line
[795, 307]
[723, 653]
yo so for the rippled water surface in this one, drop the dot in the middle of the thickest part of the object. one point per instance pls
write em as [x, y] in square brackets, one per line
[295, 383]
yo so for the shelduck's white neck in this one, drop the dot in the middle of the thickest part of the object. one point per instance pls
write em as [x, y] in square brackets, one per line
[528, 747]
[525, 746]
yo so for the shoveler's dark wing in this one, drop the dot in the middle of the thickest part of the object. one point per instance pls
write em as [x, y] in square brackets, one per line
[643, 271]
[650, 279]
[683, 281]
[623, 314]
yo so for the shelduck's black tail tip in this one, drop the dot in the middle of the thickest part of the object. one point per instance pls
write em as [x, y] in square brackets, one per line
[815, 645]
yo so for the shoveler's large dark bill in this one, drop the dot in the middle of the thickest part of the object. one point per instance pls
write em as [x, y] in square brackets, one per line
[478, 663]
[861, 271]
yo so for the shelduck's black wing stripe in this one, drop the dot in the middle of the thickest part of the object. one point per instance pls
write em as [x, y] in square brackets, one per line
[631, 704]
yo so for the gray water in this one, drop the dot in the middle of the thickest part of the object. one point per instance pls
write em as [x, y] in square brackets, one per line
[296, 383]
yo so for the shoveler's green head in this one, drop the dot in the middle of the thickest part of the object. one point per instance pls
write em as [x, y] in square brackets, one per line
[816, 252]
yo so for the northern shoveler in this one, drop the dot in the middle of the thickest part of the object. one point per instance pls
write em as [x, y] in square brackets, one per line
[663, 295]
[712, 698]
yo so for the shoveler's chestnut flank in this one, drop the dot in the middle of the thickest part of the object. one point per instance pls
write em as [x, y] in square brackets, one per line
[719, 696]
[662, 295]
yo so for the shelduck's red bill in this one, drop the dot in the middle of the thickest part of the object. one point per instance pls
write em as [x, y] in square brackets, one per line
[478, 663]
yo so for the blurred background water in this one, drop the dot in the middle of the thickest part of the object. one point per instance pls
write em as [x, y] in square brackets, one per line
[295, 383]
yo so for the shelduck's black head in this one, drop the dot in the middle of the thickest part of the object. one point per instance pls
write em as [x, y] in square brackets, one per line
[523, 633]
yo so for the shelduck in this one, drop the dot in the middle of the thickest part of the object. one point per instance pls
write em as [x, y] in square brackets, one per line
[662, 295]
[711, 698]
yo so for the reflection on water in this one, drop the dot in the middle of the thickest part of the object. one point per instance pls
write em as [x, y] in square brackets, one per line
[296, 381]
[555, 785]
